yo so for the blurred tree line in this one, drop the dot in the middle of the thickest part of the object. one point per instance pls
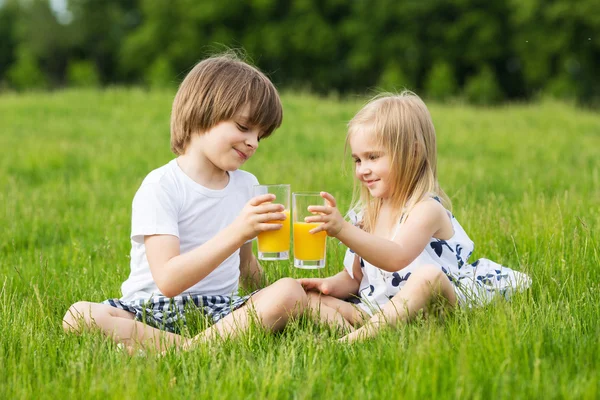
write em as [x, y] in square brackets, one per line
[484, 51]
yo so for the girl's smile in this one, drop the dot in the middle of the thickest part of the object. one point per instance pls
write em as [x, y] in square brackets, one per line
[372, 164]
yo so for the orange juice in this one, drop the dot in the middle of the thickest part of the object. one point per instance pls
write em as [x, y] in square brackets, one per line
[276, 241]
[307, 246]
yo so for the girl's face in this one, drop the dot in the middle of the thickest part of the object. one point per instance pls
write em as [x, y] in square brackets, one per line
[372, 163]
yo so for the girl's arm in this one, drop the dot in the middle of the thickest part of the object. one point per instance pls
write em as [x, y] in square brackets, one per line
[252, 276]
[174, 272]
[424, 221]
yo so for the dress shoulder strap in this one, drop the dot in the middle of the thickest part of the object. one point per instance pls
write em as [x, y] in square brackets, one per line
[404, 214]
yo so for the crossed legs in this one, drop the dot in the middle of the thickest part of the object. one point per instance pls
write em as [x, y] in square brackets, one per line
[340, 314]
[425, 285]
[273, 307]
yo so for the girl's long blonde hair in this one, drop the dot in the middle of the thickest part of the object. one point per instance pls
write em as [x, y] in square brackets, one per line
[402, 126]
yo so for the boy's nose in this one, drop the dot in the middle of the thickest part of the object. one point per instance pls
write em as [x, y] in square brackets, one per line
[252, 141]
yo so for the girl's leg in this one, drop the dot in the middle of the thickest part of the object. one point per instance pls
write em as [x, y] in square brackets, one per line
[335, 312]
[273, 306]
[424, 285]
[117, 324]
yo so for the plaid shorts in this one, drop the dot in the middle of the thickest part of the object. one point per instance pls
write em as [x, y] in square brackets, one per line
[168, 313]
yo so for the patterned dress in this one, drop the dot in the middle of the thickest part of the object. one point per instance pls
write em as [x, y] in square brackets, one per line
[475, 283]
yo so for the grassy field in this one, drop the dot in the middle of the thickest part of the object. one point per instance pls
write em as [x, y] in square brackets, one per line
[524, 181]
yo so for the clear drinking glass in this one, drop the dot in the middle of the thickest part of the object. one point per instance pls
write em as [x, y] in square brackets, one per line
[275, 245]
[309, 249]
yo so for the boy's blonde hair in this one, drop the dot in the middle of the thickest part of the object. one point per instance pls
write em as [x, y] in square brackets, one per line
[215, 90]
[402, 126]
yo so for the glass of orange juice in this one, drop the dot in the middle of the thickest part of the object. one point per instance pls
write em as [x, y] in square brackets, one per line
[275, 245]
[309, 249]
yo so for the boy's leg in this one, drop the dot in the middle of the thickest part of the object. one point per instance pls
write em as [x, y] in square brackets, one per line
[335, 312]
[424, 285]
[273, 306]
[117, 324]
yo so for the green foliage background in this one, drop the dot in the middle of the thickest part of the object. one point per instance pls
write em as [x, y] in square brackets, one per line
[517, 49]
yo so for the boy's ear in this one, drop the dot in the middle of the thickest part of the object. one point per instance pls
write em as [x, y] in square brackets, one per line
[198, 132]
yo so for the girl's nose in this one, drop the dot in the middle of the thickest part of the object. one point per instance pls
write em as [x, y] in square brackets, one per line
[363, 170]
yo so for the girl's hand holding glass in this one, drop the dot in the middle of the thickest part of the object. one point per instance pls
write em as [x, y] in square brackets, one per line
[329, 215]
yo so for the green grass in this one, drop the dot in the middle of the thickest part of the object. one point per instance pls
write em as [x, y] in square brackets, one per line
[524, 181]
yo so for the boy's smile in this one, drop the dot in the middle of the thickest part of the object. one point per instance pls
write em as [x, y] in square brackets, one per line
[224, 147]
[229, 144]
[242, 155]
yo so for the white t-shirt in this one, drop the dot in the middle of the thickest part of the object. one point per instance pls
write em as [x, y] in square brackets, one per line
[170, 203]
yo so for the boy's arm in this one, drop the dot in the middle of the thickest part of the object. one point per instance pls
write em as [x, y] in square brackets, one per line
[174, 272]
[252, 276]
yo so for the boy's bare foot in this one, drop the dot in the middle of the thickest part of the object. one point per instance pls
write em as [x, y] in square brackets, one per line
[130, 350]
[188, 344]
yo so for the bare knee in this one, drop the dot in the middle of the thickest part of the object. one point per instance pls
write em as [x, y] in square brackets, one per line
[83, 314]
[429, 275]
[432, 279]
[75, 316]
[290, 294]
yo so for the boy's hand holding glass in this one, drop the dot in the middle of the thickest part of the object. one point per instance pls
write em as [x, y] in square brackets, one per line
[274, 244]
[260, 214]
[330, 217]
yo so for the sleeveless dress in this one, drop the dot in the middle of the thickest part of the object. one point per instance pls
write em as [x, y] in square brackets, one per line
[475, 283]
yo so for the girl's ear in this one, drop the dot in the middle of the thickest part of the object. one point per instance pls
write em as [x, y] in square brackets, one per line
[417, 147]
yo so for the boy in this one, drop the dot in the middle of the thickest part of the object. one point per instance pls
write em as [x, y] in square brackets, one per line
[193, 219]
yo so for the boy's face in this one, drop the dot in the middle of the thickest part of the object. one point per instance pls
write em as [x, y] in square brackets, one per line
[229, 144]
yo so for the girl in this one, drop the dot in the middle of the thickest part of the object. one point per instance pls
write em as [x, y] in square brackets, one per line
[405, 248]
